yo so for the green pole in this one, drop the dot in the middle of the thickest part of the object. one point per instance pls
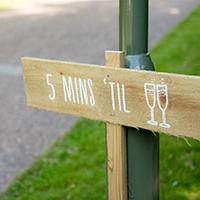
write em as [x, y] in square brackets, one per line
[142, 145]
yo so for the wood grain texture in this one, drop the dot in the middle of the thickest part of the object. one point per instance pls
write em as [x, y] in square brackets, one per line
[116, 145]
[184, 95]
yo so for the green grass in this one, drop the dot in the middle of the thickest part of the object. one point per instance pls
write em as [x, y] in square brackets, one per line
[74, 167]
[179, 51]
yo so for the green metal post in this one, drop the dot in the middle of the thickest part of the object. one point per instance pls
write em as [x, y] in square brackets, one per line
[142, 145]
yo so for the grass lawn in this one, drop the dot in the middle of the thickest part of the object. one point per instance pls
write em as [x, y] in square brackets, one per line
[74, 167]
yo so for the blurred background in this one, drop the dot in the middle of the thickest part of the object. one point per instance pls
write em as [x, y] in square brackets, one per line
[81, 30]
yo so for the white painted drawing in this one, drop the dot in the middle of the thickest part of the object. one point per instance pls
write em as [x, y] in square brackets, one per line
[157, 93]
[163, 101]
[150, 94]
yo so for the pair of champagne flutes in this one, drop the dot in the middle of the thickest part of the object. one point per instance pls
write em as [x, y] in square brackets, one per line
[159, 93]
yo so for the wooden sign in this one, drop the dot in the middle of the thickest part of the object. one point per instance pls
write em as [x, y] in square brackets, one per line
[160, 102]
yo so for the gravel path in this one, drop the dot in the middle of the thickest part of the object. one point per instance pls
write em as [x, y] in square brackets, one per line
[66, 30]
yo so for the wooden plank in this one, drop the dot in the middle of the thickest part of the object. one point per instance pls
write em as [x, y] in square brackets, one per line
[116, 145]
[160, 102]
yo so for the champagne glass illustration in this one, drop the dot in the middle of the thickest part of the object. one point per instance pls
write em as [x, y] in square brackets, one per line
[162, 99]
[150, 94]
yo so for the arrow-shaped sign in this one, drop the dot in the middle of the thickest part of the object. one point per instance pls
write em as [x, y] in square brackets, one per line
[160, 102]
